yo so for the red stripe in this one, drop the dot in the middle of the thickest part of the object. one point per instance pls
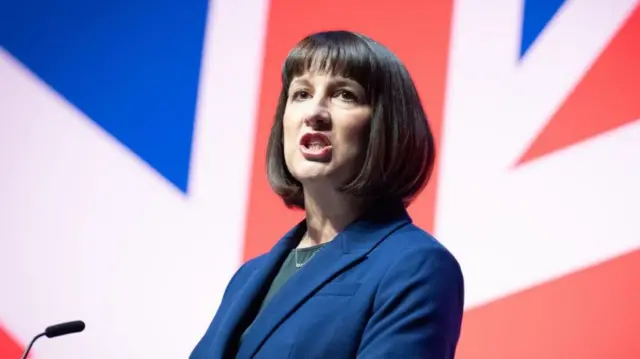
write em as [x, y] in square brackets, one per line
[9, 348]
[591, 314]
[418, 31]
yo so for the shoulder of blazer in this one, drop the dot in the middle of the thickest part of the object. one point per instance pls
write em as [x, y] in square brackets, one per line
[410, 237]
[411, 246]
[240, 276]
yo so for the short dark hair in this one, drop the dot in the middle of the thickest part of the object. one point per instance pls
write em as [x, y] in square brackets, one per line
[400, 151]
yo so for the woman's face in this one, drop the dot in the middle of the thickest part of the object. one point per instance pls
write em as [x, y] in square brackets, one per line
[325, 121]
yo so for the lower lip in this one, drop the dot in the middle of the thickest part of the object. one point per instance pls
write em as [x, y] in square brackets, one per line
[322, 154]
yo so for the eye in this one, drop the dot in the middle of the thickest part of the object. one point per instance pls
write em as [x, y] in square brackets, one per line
[346, 96]
[300, 94]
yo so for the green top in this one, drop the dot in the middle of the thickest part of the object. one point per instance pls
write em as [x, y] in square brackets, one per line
[296, 259]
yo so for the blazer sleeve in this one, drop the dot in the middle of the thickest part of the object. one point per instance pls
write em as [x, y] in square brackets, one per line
[234, 283]
[417, 309]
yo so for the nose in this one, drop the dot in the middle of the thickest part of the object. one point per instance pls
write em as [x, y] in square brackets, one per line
[317, 115]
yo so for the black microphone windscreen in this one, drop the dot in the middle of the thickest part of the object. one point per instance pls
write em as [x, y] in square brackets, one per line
[64, 328]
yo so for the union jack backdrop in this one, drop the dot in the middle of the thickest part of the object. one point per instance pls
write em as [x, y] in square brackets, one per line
[132, 153]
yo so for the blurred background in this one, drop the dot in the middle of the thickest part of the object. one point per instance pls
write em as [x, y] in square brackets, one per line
[132, 186]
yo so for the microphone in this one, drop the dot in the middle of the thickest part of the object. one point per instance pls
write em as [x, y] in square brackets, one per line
[56, 331]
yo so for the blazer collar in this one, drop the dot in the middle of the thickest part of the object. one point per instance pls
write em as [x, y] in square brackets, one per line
[349, 247]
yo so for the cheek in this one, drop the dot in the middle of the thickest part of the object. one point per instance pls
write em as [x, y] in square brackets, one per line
[354, 136]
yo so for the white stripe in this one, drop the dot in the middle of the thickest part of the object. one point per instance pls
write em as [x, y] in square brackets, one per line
[221, 167]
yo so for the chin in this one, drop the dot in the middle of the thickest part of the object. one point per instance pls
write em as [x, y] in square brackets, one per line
[311, 171]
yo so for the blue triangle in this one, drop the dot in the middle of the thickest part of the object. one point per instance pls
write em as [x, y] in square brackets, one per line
[537, 14]
[132, 66]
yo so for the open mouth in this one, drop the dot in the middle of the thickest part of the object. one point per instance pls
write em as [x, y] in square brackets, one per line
[315, 146]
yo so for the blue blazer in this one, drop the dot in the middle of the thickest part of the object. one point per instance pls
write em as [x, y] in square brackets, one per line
[383, 288]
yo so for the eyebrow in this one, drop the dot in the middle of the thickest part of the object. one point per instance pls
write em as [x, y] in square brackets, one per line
[344, 81]
[300, 81]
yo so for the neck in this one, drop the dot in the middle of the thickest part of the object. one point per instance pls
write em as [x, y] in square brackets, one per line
[327, 213]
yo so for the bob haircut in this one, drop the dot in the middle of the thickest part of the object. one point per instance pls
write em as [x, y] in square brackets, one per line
[400, 150]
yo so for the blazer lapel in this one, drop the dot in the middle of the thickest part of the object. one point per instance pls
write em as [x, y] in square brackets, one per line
[348, 248]
[255, 286]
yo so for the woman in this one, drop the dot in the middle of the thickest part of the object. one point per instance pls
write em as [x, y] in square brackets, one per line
[352, 147]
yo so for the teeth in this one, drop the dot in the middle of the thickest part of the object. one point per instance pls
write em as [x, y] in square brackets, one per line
[315, 143]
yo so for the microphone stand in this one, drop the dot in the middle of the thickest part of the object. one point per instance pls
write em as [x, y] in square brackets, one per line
[26, 352]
